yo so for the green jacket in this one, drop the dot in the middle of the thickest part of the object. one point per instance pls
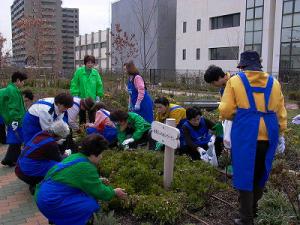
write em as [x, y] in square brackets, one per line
[136, 122]
[12, 104]
[84, 84]
[84, 176]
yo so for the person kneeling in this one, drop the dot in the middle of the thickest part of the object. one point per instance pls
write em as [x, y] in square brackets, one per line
[40, 154]
[196, 134]
[70, 190]
[103, 125]
[133, 130]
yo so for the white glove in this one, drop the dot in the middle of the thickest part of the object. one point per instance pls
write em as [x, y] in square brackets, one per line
[68, 152]
[128, 141]
[60, 141]
[281, 145]
[137, 107]
[97, 99]
[203, 154]
[296, 120]
[14, 125]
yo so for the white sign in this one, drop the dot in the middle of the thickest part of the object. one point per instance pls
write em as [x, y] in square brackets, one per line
[165, 134]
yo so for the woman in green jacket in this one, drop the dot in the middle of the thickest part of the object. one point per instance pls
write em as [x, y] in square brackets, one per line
[69, 192]
[13, 111]
[133, 130]
[87, 83]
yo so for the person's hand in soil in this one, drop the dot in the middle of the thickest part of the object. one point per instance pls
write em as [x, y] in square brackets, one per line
[120, 193]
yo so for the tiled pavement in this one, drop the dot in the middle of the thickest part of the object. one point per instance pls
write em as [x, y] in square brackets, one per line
[17, 206]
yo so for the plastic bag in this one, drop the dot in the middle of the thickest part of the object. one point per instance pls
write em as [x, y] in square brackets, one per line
[227, 125]
[209, 155]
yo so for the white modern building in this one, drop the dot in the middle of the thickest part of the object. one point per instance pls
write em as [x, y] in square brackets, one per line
[217, 31]
[97, 44]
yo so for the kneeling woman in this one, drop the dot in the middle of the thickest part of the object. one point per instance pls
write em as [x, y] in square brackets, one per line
[133, 130]
[196, 134]
[103, 125]
[70, 190]
[41, 153]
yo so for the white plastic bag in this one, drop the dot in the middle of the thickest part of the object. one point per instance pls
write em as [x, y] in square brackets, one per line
[296, 120]
[227, 125]
[209, 155]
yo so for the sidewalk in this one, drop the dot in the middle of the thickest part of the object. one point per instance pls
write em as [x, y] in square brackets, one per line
[17, 206]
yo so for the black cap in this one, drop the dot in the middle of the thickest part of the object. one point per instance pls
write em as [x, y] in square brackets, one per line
[249, 58]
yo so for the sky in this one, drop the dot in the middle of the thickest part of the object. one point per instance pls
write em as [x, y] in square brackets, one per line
[94, 15]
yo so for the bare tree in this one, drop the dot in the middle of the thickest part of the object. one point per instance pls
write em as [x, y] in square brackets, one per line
[148, 29]
[124, 48]
[4, 53]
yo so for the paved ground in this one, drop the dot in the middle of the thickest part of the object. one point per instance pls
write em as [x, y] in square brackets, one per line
[16, 204]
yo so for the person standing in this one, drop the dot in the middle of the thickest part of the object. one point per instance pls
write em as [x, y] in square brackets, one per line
[13, 111]
[254, 101]
[86, 83]
[140, 101]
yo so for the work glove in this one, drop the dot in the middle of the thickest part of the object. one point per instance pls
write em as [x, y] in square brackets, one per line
[281, 145]
[203, 154]
[14, 125]
[60, 141]
[158, 146]
[218, 129]
[128, 141]
[97, 99]
[137, 107]
[68, 152]
[296, 120]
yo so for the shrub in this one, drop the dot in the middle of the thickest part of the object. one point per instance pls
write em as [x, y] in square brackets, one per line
[274, 209]
[101, 218]
[140, 174]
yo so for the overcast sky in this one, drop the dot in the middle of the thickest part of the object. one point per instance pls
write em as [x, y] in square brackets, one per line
[94, 15]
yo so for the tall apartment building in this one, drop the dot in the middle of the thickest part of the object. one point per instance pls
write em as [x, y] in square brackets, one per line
[160, 37]
[50, 36]
[70, 30]
[97, 44]
[207, 34]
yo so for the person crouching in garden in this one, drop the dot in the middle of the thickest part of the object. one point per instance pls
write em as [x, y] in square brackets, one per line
[40, 154]
[140, 101]
[13, 110]
[44, 112]
[103, 125]
[197, 132]
[70, 192]
[253, 100]
[133, 130]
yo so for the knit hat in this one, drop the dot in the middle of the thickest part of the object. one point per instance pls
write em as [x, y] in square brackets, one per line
[60, 128]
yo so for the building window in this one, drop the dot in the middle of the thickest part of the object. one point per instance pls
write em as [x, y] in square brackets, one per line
[198, 25]
[184, 54]
[219, 22]
[103, 45]
[290, 37]
[254, 25]
[225, 53]
[198, 54]
[184, 27]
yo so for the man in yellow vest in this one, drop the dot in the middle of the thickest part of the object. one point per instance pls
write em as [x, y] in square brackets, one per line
[254, 102]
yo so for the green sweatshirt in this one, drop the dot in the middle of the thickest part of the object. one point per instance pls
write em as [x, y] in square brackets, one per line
[12, 104]
[136, 122]
[84, 176]
[86, 83]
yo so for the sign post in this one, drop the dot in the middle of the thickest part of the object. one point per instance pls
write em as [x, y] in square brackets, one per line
[168, 135]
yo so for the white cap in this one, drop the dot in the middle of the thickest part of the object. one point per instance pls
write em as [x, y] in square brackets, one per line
[60, 128]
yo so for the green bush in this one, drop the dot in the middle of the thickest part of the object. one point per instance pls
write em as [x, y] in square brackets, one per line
[274, 209]
[140, 174]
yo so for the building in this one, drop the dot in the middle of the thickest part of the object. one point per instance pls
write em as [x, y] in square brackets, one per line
[96, 44]
[207, 34]
[70, 30]
[157, 40]
[45, 39]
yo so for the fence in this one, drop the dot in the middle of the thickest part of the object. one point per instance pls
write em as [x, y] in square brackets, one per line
[185, 82]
